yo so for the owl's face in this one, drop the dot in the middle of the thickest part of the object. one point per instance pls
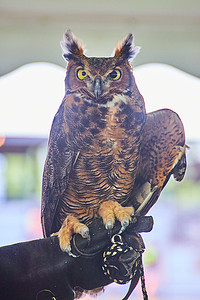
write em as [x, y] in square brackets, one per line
[97, 78]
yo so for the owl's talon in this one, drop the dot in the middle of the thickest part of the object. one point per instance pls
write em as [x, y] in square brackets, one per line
[64, 245]
[70, 226]
[68, 251]
[109, 226]
[111, 210]
[125, 222]
[84, 232]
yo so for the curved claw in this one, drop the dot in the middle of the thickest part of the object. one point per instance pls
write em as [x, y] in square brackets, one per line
[71, 254]
[84, 232]
[124, 222]
[109, 226]
[67, 249]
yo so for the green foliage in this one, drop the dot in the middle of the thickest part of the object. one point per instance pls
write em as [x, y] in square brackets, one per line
[22, 178]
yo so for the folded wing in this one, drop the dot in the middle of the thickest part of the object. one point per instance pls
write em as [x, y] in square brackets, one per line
[162, 154]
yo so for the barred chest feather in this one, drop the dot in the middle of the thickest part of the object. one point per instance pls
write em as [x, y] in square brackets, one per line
[107, 137]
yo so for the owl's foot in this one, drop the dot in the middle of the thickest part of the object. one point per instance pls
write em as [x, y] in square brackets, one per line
[71, 225]
[111, 210]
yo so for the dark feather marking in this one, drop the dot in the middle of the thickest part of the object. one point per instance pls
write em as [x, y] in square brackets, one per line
[77, 99]
[94, 131]
[95, 116]
[81, 128]
[74, 107]
[103, 110]
[85, 122]
[128, 93]
[88, 140]
[84, 107]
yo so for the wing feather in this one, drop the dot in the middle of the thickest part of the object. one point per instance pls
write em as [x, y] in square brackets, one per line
[162, 154]
[57, 168]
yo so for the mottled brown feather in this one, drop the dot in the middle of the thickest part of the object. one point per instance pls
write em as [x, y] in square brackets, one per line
[162, 154]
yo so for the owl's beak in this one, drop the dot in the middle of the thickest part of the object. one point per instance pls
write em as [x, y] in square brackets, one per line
[97, 88]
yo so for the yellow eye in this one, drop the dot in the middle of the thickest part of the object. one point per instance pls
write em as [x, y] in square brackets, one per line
[81, 74]
[115, 74]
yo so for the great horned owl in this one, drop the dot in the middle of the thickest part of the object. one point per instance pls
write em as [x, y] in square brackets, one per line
[106, 157]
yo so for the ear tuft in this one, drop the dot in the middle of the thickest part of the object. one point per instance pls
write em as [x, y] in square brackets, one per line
[126, 49]
[71, 46]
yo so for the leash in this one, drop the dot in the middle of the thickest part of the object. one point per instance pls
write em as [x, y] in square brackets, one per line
[121, 264]
[143, 285]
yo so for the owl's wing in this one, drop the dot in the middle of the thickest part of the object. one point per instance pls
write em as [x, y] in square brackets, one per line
[162, 154]
[58, 164]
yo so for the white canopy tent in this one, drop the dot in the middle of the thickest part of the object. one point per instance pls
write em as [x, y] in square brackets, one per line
[167, 31]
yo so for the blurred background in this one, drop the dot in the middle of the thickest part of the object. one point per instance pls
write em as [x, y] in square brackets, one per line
[167, 73]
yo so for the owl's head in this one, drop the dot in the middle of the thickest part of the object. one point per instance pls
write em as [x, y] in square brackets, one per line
[97, 77]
